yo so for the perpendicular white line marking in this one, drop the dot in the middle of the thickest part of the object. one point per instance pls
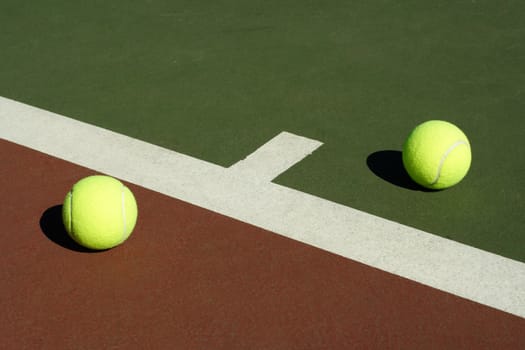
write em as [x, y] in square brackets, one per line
[465, 271]
[276, 156]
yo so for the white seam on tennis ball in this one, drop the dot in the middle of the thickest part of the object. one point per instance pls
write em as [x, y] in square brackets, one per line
[444, 157]
[71, 211]
[122, 199]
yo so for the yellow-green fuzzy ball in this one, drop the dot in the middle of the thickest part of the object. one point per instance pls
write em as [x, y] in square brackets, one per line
[437, 154]
[99, 212]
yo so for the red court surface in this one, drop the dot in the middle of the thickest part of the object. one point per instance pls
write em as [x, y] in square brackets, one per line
[189, 278]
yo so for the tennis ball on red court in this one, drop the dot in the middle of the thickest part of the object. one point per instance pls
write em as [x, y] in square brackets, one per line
[437, 154]
[99, 212]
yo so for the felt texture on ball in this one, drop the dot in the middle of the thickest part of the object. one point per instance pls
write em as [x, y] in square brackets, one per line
[437, 154]
[99, 212]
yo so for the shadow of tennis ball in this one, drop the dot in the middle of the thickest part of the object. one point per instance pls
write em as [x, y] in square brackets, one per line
[388, 165]
[52, 226]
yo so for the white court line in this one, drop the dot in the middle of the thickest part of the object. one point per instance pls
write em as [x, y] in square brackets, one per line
[275, 157]
[465, 271]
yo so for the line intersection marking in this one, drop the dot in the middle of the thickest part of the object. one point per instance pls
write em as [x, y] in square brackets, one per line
[276, 156]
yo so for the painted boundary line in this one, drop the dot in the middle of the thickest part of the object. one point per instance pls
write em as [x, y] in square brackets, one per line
[459, 269]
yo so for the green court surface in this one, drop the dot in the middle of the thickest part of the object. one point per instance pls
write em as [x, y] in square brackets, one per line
[217, 79]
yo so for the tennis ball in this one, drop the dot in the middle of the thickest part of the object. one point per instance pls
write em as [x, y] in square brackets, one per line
[437, 154]
[99, 212]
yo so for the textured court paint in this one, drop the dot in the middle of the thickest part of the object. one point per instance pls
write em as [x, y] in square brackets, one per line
[468, 272]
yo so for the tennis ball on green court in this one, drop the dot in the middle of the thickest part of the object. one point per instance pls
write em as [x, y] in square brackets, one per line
[437, 154]
[99, 212]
